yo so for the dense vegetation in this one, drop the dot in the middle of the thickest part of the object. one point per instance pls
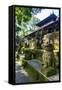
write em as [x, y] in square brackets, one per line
[44, 48]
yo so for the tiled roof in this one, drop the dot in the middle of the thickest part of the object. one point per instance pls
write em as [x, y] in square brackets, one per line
[50, 18]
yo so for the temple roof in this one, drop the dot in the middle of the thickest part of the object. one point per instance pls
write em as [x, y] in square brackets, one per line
[51, 22]
[50, 18]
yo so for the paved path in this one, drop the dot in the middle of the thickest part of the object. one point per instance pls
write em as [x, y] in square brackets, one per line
[21, 75]
[54, 77]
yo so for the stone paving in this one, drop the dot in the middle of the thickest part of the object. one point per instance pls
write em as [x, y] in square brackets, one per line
[21, 75]
[54, 77]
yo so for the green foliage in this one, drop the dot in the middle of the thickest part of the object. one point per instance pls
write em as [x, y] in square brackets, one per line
[23, 14]
[24, 20]
[56, 58]
[56, 46]
[49, 47]
[28, 55]
[51, 71]
[24, 63]
[18, 57]
[26, 16]
[56, 34]
[33, 54]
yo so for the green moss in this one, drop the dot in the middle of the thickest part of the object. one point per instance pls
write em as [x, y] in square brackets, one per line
[33, 54]
[51, 71]
[35, 75]
[18, 57]
[24, 63]
[31, 72]
[42, 78]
